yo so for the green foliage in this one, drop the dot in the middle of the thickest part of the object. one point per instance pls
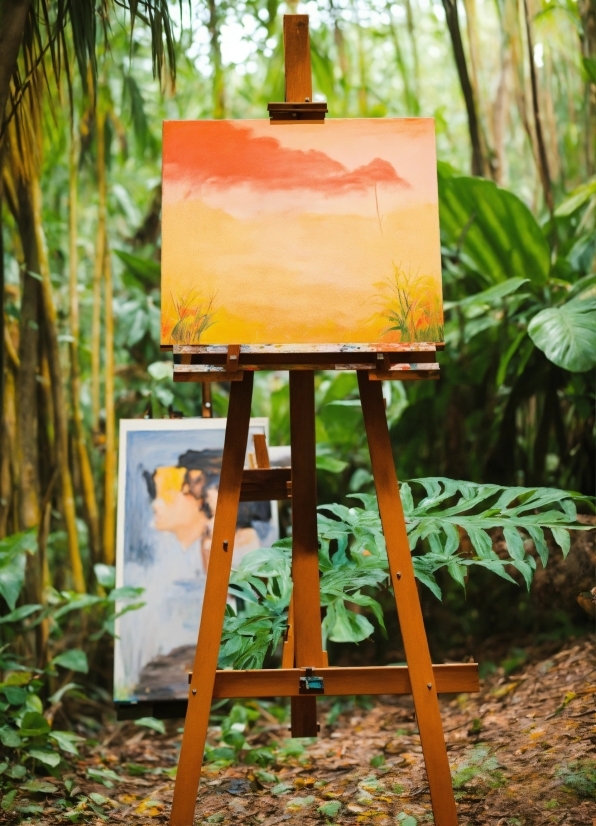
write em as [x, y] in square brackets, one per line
[13, 550]
[492, 229]
[567, 334]
[480, 769]
[233, 748]
[353, 559]
[579, 776]
[330, 809]
[27, 736]
[263, 582]
[152, 723]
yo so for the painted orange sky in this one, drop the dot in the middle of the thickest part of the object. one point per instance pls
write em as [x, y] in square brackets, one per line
[300, 233]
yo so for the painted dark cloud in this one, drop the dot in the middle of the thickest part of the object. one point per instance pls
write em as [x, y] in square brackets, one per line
[223, 154]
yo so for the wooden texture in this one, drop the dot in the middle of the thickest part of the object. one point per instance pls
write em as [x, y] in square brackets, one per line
[216, 593]
[305, 556]
[283, 682]
[261, 452]
[393, 362]
[198, 377]
[206, 401]
[311, 349]
[308, 640]
[303, 717]
[297, 58]
[297, 111]
[253, 364]
[232, 357]
[424, 688]
[261, 484]
[287, 657]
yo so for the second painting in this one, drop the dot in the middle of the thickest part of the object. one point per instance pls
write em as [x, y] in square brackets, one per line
[300, 233]
[168, 488]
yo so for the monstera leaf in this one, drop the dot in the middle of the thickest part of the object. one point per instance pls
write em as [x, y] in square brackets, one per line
[495, 230]
[567, 334]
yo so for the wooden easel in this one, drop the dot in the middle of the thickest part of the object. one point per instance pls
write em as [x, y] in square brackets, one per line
[305, 672]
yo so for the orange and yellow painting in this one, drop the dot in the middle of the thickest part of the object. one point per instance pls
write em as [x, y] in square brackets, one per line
[300, 233]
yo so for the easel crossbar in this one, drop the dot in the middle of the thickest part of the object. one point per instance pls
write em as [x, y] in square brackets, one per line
[451, 678]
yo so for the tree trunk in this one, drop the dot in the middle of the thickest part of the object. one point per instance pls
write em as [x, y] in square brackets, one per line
[13, 17]
[27, 416]
[587, 10]
[479, 163]
[87, 483]
[543, 166]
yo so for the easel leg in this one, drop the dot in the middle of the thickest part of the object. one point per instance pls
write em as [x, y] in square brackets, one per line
[216, 591]
[408, 603]
[305, 556]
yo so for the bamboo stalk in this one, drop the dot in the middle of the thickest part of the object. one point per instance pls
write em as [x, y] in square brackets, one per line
[109, 521]
[87, 483]
[7, 458]
[414, 47]
[218, 89]
[60, 412]
[100, 244]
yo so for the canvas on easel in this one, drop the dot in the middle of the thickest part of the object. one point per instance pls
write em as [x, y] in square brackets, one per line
[266, 226]
[284, 251]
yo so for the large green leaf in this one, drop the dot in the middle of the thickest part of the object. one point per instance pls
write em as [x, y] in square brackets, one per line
[34, 724]
[13, 550]
[145, 269]
[75, 660]
[494, 228]
[567, 334]
[577, 198]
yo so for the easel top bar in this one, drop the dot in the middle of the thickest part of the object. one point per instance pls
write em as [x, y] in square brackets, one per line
[297, 349]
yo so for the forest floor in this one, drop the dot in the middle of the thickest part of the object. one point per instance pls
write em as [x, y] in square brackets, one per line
[522, 752]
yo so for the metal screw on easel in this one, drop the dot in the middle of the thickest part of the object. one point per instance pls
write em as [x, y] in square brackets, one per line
[429, 686]
[398, 575]
[225, 544]
[194, 691]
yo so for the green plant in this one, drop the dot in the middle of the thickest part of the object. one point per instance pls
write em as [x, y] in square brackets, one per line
[27, 736]
[579, 776]
[480, 767]
[353, 560]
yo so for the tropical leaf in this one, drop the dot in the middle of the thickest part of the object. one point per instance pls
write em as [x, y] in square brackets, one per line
[13, 552]
[353, 559]
[567, 334]
[494, 229]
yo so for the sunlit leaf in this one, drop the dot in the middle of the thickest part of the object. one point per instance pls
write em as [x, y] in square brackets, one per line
[75, 660]
[567, 334]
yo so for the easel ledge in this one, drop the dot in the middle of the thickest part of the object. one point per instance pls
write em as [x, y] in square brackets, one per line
[400, 362]
[450, 678]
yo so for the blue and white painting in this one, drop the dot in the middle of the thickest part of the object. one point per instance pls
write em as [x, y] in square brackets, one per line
[168, 482]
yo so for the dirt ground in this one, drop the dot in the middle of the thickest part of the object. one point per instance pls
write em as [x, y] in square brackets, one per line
[522, 752]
